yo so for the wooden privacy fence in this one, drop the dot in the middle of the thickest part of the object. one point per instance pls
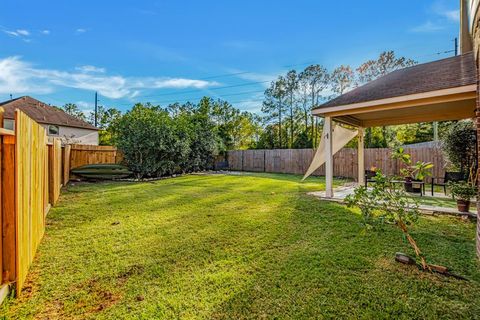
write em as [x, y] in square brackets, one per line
[345, 162]
[32, 172]
[85, 154]
[25, 188]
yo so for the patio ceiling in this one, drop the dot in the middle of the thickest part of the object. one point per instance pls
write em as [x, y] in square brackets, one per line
[436, 91]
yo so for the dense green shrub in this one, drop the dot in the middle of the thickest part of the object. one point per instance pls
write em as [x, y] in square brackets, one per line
[459, 144]
[157, 142]
[150, 142]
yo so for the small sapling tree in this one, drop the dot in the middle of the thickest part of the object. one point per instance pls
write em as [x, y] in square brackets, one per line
[387, 202]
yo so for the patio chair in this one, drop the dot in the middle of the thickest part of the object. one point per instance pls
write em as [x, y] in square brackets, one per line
[369, 177]
[449, 176]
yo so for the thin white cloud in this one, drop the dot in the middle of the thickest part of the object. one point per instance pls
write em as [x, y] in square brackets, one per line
[15, 78]
[23, 32]
[452, 15]
[17, 33]
[18, 76]
[427, 27]
[45, 32]
[444, 9]
[80, 30]
[89, 68]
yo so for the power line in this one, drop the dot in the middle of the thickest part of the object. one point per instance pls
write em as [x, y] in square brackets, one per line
[200, 97]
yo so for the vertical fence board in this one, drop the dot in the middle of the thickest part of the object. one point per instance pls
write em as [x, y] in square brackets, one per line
[30, 188]
[55, 170]
[66, 164]
[8, 208]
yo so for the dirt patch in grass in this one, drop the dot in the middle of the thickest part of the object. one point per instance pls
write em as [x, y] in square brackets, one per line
[132, 271]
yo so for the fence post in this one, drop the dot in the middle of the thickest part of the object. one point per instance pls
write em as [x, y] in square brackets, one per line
[242, 158]
[264, 160]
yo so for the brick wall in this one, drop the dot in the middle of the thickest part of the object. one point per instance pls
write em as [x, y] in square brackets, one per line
[477, 121]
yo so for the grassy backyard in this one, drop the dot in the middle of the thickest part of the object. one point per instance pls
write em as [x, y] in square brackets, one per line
[236, 246]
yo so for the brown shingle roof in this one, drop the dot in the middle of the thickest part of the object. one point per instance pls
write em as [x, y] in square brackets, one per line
[442, 74]
[42, 113]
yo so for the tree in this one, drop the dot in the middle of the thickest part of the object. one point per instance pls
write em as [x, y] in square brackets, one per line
[386, 202]
[317, 78]
[342, 79]
[73, 110]
[273, 105]
[291, 86]
[152, 145]
[460, 146]
[386, 63]
[237, 130]
[373, 69]
[105, 119]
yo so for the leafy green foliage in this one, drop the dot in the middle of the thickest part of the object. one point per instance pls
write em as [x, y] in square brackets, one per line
[73, 110]
[387, 202]
[418, 171]
[459, 144]
[151, 143]
[384, 202]
[462, 190]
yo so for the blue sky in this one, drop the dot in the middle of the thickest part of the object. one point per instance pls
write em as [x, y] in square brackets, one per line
[165, 51]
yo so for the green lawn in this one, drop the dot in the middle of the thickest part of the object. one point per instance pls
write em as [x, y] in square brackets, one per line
[236, 247]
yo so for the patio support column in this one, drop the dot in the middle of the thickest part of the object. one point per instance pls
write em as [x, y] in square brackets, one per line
[327, 135]
[361, 157]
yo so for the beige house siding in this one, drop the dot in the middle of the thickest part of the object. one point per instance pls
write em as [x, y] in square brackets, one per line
[70, 135]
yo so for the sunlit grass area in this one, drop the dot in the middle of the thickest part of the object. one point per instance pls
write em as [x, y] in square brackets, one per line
[243, 246]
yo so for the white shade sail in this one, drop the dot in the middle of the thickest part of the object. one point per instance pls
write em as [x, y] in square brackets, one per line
[340, 137]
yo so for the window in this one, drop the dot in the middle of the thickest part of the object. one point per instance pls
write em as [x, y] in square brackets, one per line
[8, 124]
[53, 130]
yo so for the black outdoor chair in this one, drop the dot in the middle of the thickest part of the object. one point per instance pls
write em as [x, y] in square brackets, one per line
[369, 177]
[449, 176]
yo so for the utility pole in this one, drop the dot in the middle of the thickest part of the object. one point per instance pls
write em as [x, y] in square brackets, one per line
[456, 46]
[96, 108]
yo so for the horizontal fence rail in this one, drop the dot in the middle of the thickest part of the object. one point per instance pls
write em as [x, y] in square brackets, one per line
[345, 162]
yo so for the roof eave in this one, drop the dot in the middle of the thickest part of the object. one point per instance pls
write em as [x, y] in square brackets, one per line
[399, 101]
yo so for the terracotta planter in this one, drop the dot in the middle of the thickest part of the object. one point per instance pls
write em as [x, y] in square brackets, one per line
[463, 205]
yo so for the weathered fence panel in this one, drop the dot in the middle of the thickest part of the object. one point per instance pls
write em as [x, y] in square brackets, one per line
[31, 186]
[345, 161]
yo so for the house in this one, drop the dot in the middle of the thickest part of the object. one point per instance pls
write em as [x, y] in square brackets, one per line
[56, 122]
[441, 90]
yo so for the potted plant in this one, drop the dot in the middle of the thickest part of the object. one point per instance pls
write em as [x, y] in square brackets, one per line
[463, 192]
[412, 172]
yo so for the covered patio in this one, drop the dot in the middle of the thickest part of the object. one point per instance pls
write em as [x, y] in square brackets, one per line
[436, 91]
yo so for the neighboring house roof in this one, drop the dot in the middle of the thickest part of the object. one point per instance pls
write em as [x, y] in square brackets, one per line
[42, 113]
[447, 73]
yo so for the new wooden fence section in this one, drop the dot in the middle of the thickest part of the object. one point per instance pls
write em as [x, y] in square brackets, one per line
[31, 188]
[85, 154]
[345, 162]
[32, 172]
[30, 180]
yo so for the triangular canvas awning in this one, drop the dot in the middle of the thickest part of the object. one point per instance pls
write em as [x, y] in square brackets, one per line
[340, 137]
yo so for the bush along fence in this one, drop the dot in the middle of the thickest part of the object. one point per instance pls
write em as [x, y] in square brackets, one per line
[345, 163]
[33, 170]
